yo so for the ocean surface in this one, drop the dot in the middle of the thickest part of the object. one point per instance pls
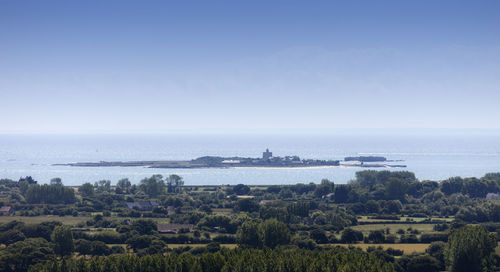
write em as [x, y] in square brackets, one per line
[429, 156]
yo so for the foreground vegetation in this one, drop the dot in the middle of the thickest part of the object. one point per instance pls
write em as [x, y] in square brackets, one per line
[381, 221]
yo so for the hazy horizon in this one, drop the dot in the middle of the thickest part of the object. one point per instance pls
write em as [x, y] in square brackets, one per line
[248, 67]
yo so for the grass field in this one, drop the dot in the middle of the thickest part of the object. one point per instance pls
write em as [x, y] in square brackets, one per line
[497, 249]
[67, 220]
[407, 248]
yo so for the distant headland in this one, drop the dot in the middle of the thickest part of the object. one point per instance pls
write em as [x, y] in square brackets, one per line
[266, 161]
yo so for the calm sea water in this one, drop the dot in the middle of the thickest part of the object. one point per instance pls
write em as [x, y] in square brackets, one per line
[433, 157]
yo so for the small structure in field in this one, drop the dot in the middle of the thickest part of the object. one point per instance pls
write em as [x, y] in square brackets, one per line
[170, 209]
[6, 210]
[492, 196]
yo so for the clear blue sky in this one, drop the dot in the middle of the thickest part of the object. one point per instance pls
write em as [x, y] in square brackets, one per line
[132, 66]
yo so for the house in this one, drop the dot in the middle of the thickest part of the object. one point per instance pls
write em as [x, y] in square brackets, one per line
[174, 228]
[492, 196]
[170, 209]
[6, 210]
[328, 196]
[143, 206]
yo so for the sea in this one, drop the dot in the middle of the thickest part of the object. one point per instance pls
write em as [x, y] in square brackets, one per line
[431, 156]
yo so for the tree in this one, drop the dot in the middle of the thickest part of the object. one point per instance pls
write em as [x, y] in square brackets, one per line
[28, 179]
[63, 240]
[393, 206]
[396, 188]
[351, 236]
[471, 249]
[50, 194]
[174, 182]
[376, 236]
[299, 208]
[56, 181]
[319, 236]
[475, 188]
[124, 185]
[341, 193]
[324, 188]
[436, 250]
[86, 190]
[241, 189]
[452, 185]
[84, 247]
[153, 186]
[423, 263]
[247, 205]
[21, 255]
[144, 227]
[103, 186]
[248, 234]
[274, 233]
[139, 242]
[11, 236]
[99, 248]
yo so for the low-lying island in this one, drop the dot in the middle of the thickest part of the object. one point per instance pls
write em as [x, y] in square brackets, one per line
[266, 161]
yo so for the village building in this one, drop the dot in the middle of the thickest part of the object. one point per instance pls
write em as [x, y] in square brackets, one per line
[6, 210]
[492, 196]
[267, 155]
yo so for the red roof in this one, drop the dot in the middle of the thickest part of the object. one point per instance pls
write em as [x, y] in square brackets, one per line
[5, 209]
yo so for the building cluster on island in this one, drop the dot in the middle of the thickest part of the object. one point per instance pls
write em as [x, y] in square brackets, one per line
[267, 160]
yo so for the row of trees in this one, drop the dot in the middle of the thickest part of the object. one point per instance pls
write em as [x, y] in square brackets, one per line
[270, 233]
[230, 260]
[153, 186]
[470, 248]
[49, 194]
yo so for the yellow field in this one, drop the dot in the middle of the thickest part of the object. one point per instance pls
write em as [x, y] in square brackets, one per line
[427, 228]
[230, 246]
[407, 248]
[67, 220]
[402, 219]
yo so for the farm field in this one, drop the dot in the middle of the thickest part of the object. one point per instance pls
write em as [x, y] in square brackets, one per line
[67, 220]
[407, 248]
[174, 246]
[423, 228]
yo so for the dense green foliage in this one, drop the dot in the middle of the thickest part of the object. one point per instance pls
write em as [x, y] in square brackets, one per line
[50, 194]
[263, 222]
[63, 240]
[231, 260]
[470, 249]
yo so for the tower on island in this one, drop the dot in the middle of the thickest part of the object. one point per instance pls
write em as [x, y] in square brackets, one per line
[267, 155]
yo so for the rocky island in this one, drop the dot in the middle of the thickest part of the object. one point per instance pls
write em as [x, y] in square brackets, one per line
[267, 160]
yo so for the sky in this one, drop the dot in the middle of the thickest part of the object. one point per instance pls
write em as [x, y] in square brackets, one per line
[248, 66]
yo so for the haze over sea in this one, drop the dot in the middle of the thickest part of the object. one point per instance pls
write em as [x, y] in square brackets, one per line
[430, 155]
